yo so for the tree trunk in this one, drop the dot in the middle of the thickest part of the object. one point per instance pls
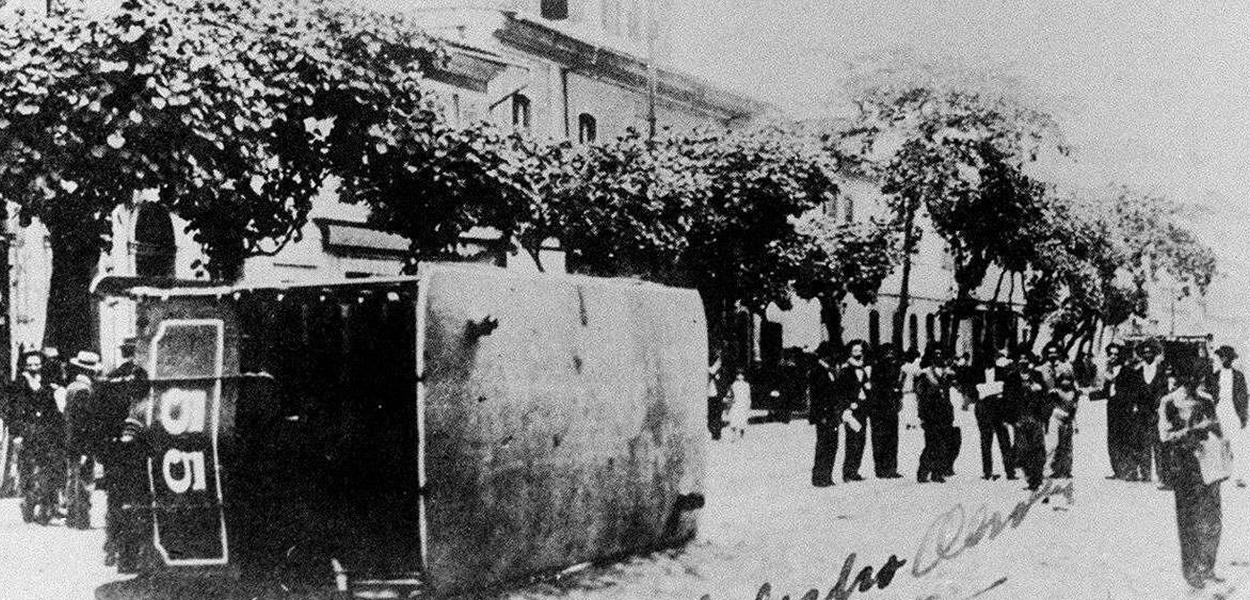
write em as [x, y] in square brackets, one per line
[70, 325]
[831, 318]
[999, 286]
[904, 289]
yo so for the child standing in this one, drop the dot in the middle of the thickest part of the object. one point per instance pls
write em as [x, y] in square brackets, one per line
[740, 409]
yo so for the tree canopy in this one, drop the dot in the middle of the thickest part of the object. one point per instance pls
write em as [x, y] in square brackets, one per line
[236, 112]
[960, 145]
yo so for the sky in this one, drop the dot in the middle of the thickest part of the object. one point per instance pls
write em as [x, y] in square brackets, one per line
[1152, 94]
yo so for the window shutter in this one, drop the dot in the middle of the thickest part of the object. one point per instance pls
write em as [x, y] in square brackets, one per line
[555, 10]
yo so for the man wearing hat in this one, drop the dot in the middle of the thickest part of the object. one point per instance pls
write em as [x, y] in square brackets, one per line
[1228, 387]
[80, 439]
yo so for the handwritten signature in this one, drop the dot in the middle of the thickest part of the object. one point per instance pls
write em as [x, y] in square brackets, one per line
[947, 537]
[845, 586]
[955, 531]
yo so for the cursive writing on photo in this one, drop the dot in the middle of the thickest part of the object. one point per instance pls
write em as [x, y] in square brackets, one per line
[955, 530]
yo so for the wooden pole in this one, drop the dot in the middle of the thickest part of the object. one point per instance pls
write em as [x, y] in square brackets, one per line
[651, 70]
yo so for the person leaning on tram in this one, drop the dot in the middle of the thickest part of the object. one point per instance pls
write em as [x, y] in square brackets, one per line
[1186, 418]
[119, 391]
[125, 533]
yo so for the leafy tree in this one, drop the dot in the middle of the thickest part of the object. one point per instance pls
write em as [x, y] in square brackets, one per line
[743, 239]
[1104, 255]
[433, 182]
[626, 207]
[951, 143]
[852, 259]
[236, 112]
[717, 212]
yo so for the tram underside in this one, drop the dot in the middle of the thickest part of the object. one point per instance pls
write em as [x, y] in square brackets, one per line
[326, 465]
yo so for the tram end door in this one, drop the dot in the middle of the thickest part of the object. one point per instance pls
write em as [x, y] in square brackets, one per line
[188, 346]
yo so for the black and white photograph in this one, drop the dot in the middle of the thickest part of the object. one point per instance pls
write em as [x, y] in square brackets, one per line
[624, 300]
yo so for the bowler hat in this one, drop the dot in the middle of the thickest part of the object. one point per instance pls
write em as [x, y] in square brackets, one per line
[86, 360]
[1226, 352]
[129, 342]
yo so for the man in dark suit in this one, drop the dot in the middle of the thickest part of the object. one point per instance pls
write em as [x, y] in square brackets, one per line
[39, 430]
[883, 411]
[1153, 375]
[937, 417]
[825, 413]
[992, 414]
[853, 389]
[1121, 387]
[1228, 387]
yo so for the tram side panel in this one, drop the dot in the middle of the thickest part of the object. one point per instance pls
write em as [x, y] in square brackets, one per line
[561, 422]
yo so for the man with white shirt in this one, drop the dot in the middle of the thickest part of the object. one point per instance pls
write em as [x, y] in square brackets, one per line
[853, 386]
[1228, 387]
[1149, 450]
[993, 394]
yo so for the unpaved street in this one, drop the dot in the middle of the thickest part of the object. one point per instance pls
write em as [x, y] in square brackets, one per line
[763, 523]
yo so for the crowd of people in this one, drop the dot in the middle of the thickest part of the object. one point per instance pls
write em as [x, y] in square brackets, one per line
[1178, 419]
[64, 418]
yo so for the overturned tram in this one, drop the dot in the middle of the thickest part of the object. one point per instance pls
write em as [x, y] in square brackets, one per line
[465, 427]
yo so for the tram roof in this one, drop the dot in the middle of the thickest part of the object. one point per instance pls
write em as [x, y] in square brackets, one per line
[149, 287]
[165, 287]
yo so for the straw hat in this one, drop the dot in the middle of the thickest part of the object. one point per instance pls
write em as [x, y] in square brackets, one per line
[86, 360]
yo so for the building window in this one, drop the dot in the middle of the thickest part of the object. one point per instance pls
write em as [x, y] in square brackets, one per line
[831, 207]
[520, 111]
[555, 10]
[874, 328]
[771, 342]
[929, 326]
[850, 209]
[587, 129]
[154, 246]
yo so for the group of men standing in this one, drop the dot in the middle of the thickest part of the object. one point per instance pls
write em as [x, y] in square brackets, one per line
[1133, 393]
[1016, 403]
[857, 396]
[1019, 403]
[62, 425]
